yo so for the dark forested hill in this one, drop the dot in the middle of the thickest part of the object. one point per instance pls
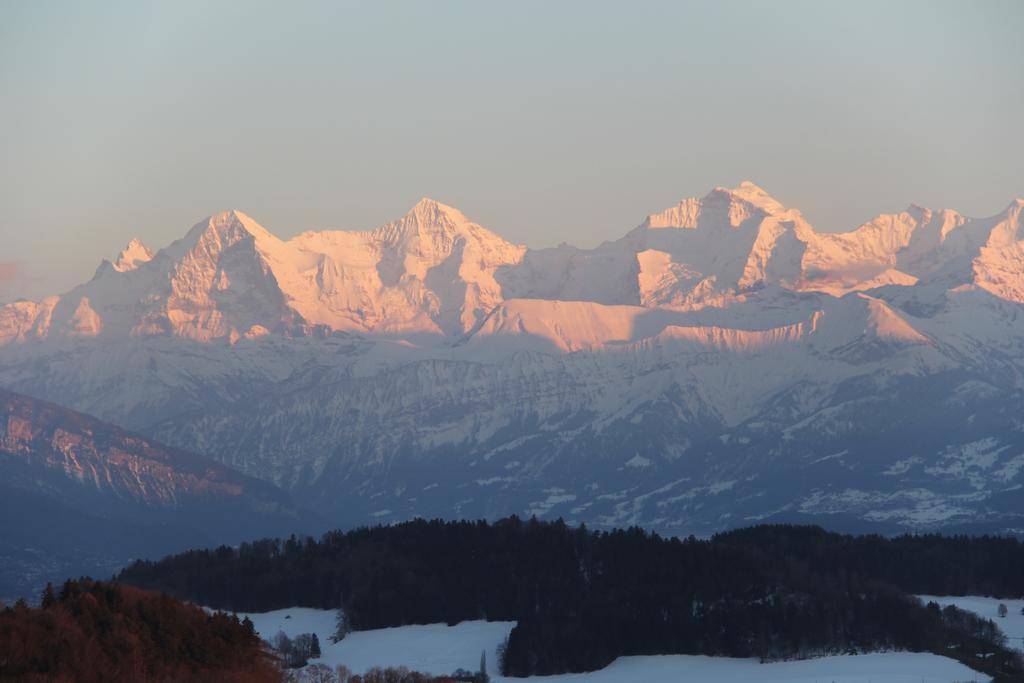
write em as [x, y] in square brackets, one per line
[94, 631]
[582, 598]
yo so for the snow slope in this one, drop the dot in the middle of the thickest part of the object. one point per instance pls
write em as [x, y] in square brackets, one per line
[433, 648]
[890, 667]
[440, 649]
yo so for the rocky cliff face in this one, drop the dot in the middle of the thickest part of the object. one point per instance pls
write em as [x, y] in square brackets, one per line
[80, 496]
[111, 473]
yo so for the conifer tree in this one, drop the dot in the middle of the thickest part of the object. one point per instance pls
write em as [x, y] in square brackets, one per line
[342, 625]
[49, 599]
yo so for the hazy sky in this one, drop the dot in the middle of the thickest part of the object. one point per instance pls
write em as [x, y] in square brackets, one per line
[546, 121]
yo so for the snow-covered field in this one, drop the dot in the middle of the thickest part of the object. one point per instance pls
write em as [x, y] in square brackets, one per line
[440, 649]
[891, 667]
[433, 648]
[1012, 625]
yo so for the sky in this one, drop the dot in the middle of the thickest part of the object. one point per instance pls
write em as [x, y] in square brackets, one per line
[546, 122]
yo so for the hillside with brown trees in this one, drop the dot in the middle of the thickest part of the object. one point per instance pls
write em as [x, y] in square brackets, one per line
[97, 631]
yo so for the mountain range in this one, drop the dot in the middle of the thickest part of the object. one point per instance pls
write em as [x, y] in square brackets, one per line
[721, 363]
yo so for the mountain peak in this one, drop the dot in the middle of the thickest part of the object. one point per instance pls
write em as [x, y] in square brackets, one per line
[233, 223]
[132, 256]
[749, 186]
[429, 211]
[232, 216]
[428, 216]
[737, 202]
[429, 203]
[749, 193]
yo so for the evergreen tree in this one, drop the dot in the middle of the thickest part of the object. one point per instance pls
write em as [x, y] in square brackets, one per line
[482, 676]
[582, 598]
[49, 599]
[301, 647]
[342, 625]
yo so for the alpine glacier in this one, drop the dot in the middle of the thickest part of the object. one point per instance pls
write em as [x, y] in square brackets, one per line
[720, 364]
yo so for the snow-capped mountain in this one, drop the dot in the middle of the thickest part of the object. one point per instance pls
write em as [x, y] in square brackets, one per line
[431, 271]
[722, 362]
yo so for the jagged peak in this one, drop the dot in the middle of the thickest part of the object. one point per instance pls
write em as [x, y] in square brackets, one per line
[230, 222]
[429, 211]
[132, 256]
[429, 217]
[234, 216]
[915, 209]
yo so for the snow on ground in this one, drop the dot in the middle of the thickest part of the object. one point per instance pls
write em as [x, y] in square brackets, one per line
[889, 667]
[293, 621]
[1012, 625]
[440, 649]
[433, 648]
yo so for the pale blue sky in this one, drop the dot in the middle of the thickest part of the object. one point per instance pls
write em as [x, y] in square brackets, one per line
[545, 121]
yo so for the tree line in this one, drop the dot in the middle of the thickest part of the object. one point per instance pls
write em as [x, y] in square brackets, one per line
[582, 598]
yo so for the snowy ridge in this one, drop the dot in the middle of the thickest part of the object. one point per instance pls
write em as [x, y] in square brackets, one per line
[435, 272]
